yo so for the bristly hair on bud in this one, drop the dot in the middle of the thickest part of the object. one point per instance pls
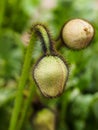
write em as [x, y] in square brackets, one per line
[51, 72]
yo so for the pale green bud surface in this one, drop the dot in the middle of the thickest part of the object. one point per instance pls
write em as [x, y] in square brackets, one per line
[51, 74]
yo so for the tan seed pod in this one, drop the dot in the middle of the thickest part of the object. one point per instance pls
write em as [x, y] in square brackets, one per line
[77, 34]
[50, 74]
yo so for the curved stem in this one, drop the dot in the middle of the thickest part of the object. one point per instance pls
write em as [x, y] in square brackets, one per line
[42, 32]
[46, 40]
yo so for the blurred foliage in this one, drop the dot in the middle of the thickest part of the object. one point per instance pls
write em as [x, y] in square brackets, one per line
[77, 108]
[10, 55]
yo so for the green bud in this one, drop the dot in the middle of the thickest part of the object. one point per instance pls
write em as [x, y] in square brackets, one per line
[51, 73]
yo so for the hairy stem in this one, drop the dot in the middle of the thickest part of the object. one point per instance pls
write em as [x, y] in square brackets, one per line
[46, 40]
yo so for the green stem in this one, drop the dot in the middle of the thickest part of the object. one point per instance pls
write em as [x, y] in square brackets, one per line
[26, 106]
[22, 83]
[63, 109]
[2, 11]
[42, 32]
[45, 37]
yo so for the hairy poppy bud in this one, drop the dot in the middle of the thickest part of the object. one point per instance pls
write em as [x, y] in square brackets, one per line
[50, 74]
[51, 71]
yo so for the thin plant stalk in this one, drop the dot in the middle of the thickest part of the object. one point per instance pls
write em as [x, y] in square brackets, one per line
[64, 109]
[25, 73]
[22, 83]
[26, 106]
[2, 11]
